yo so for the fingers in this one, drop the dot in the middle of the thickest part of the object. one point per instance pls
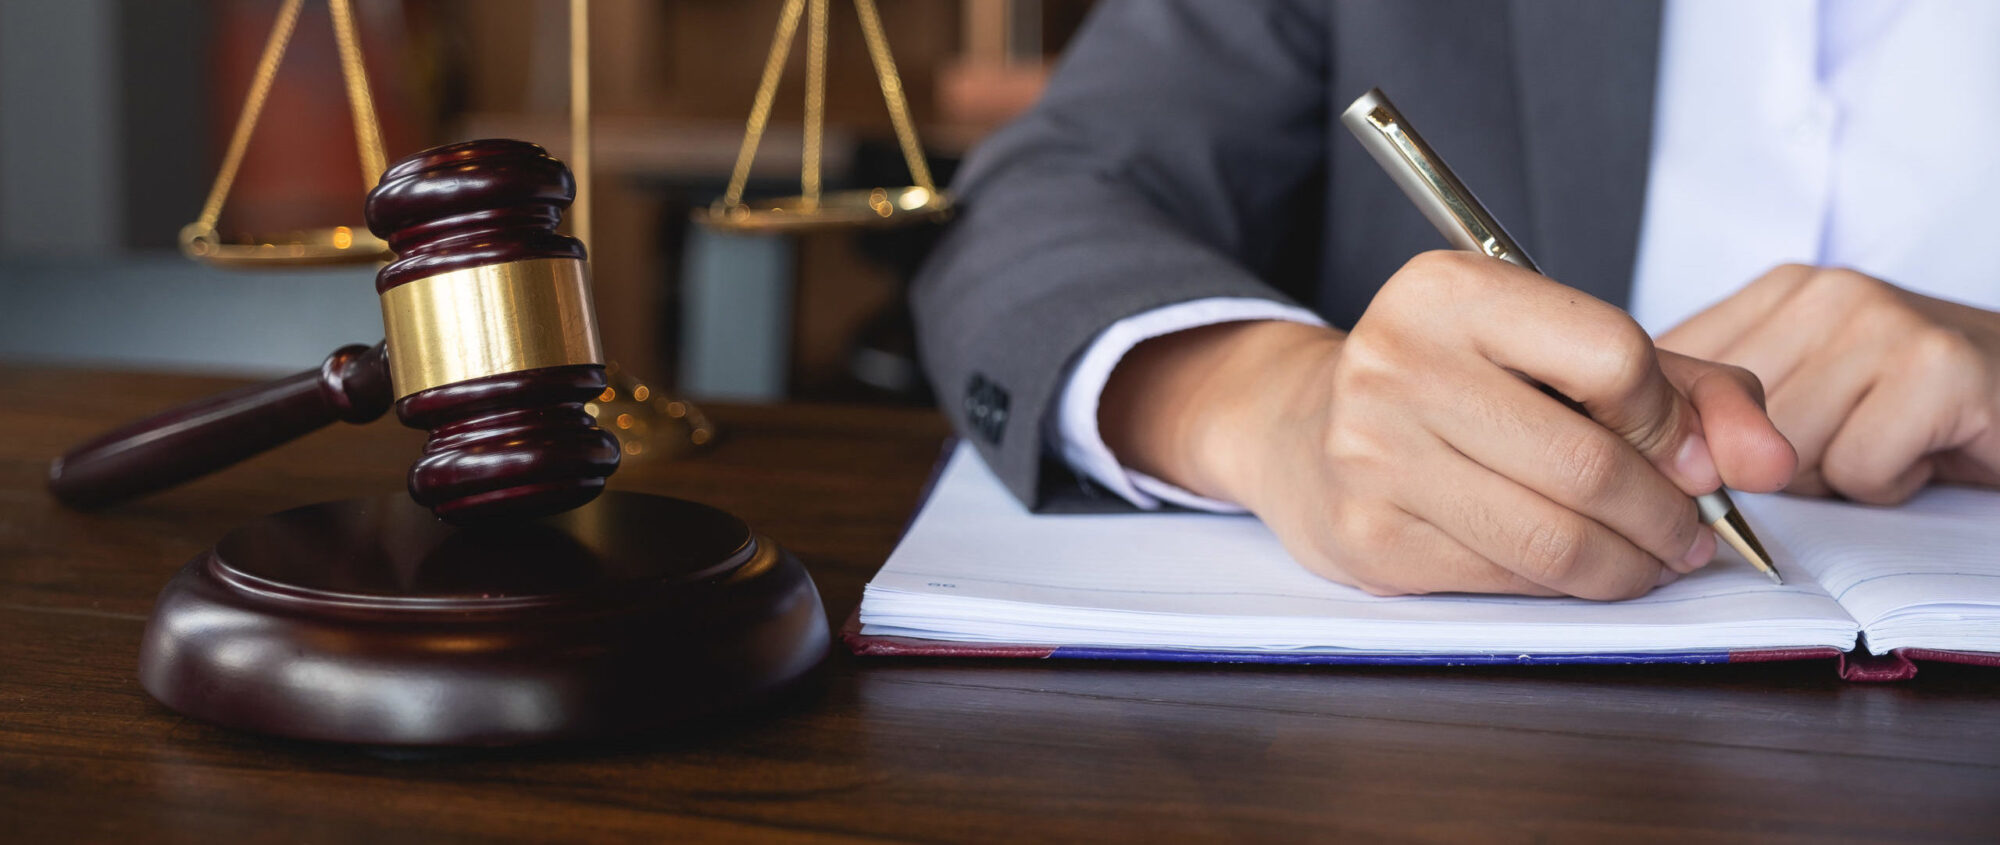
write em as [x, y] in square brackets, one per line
[1384, 550]
[1865, 413]
[1749, 451]
[1812, 405]
[1509, 428]
[1880, 453]
[1709, 332]
[1828, 314]
[1454, 568]
[1523, 531]
[1813, 383]
[1443, 468]
[1585, 349]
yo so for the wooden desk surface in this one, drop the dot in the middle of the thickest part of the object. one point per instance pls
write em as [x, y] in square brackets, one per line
[921, 749]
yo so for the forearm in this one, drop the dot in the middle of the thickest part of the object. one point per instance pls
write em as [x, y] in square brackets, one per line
[1187, 407]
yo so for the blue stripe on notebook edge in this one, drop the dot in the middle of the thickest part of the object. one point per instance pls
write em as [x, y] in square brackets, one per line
[1193, 656]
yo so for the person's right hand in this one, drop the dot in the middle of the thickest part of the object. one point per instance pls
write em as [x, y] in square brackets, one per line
[1410, 456]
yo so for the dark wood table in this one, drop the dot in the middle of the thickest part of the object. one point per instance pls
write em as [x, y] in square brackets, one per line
[931, 750]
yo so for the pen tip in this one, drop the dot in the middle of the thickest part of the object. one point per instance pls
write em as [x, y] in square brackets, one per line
[1736, 531]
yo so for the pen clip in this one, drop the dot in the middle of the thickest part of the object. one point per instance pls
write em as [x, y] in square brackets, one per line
[1428, 182]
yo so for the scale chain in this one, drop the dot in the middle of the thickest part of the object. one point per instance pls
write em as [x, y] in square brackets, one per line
[810, 180]
[767, 90]
[809, 165]
[367, 129]
[892, 93]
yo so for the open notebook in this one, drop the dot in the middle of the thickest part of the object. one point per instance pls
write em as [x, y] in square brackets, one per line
[977, 574]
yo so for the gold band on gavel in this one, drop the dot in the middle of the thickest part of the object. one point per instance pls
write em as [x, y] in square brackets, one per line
[485, 321]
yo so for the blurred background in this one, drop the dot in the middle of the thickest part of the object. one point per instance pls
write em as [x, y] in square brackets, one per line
[114, 115]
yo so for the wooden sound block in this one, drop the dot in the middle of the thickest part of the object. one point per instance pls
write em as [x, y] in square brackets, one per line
[370, 621]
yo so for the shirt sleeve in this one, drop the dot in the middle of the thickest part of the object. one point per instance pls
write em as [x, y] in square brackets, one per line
[1077, 438]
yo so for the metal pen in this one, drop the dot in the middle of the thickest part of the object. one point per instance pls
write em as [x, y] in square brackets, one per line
[1424, 178]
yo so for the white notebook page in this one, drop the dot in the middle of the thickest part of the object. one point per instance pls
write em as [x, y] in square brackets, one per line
[1925, 573]
[978, 567]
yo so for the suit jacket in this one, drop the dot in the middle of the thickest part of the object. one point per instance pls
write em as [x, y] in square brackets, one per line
[1191, 148]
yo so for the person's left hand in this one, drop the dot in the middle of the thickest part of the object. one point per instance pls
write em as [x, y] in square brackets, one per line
[1880, 390]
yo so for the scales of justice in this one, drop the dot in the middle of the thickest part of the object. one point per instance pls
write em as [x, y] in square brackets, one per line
[507, 598]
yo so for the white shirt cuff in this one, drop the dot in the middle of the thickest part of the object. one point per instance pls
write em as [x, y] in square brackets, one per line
[1078, 439]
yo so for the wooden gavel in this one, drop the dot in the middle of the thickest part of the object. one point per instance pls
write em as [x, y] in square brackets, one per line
[491, 346]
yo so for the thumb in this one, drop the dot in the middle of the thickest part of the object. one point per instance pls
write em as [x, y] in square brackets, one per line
[1647, 408]
[1745, 448]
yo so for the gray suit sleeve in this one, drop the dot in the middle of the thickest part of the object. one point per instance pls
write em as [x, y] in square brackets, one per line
[1158, 168]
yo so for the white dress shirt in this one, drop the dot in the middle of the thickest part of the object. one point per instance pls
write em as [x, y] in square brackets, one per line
[1855, 133]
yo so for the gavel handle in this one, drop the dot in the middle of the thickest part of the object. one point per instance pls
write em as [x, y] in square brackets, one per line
[201, 437]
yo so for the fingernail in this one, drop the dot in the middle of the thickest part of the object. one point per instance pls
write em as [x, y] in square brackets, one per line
[1667, 576]
[1696, 466]
[1700, 553]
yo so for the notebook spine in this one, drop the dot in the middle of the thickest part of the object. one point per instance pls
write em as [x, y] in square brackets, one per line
[1859, 665]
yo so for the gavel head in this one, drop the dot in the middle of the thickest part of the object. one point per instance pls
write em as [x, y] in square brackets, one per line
[492, 336]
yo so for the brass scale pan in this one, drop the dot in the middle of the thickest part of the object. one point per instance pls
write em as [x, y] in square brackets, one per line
[334, 245]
